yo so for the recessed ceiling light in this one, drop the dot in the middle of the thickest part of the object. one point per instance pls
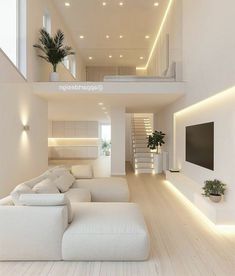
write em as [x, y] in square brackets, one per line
[147, 36]
[81, 36]
[67, 4]
[141, 57]
[121, 4]
[104, 3]
[101, 104]
[107, 36]
[120, 36]
[90, 58]
[156, 4]
[121, 56]
[110, 56]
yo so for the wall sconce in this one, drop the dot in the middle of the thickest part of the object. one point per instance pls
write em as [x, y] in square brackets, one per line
[26, 128]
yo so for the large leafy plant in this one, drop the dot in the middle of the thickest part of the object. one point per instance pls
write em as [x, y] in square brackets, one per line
[214, 187]
[52, 48]
[155, 140]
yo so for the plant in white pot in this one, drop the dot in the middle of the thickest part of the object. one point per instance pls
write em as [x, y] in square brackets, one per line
[53, 50]
[155, 141]
[214, 189]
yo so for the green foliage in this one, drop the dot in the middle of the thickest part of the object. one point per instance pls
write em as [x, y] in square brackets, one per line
[106, 146]
[52, 48]
[214, 187]
[155, 140]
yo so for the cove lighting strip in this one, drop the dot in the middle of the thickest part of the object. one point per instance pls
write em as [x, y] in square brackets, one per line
[51, 138]
[157, 37]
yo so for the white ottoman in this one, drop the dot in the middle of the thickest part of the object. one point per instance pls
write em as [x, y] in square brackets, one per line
[109, 189]
[106, 232]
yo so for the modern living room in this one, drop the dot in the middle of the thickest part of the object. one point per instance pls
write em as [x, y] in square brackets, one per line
[117, 151]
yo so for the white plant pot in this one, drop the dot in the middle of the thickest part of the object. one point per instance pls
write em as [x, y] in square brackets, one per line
[54, 76]
[158, 163]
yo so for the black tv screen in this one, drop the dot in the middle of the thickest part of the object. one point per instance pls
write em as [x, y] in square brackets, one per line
[200, 145]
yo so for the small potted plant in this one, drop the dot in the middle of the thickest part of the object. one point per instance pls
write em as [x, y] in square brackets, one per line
[214, 189]
[53, 50]
[106, 148]
[155, 141]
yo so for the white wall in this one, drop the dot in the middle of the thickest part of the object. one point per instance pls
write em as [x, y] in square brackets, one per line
[173, 29]
[23, 154]
[118, 125]
[38, 70]
[208, 69]
[129, 149]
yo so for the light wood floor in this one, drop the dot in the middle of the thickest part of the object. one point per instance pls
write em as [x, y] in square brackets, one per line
[182, 243]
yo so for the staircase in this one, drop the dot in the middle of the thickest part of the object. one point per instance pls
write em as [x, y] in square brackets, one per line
[142, 157]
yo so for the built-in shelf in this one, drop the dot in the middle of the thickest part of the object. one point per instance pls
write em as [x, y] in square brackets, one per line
[218, 213]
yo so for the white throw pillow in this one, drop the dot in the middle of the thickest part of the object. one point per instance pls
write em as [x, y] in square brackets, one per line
[64, 182]
[82, 171]
[47, 200]
[46, 187]
[18, 191]
[59, 171]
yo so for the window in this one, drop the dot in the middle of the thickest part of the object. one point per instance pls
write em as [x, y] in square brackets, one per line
[9, 29]
[106, 132]
[70, 64]
[47, 22]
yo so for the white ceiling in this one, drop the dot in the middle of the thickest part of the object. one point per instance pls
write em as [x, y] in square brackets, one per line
[86, 107]
[134, 20]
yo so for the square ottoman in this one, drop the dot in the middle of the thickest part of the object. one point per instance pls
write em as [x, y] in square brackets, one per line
[106, 232]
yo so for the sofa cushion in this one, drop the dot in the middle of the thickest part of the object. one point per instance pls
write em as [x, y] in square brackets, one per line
[64, 181]
[82, 171]
[6, 201]
[78, 195]
[46, 186]
[108, 189]
[18, 191]
[47, 200]
[106, 232]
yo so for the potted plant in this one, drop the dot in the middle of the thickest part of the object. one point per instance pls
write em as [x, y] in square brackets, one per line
[106, 148]
[214, 189]
[53, 50]
[155, 141]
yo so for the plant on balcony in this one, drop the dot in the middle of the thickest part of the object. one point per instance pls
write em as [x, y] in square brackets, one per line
[106, 148]
[156, 140]
[52, 48]
[214, 189]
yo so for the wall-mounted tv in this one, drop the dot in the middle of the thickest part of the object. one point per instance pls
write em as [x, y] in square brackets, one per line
[200, 145]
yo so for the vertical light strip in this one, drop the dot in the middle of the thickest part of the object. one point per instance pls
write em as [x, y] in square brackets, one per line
[157, 37]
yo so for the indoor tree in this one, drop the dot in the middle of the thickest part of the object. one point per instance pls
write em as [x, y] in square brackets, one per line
[52, 48]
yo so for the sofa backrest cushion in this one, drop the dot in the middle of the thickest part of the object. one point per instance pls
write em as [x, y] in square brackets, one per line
[82, 171]
[46, 186]
[47, 200]
[64, 182]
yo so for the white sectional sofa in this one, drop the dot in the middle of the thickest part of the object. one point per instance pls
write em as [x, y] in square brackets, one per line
[51, 218]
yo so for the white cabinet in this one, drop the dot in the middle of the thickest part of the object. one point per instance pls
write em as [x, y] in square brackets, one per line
[75, 129]
[73, 152]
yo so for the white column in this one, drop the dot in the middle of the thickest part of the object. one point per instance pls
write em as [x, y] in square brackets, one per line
[118, 122]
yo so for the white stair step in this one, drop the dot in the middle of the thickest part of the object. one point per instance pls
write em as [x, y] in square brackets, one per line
[144, 160]
[140, 141]
[140, 145]
[142, 150]
[143, 154]
[144, 165]
[144, 171]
